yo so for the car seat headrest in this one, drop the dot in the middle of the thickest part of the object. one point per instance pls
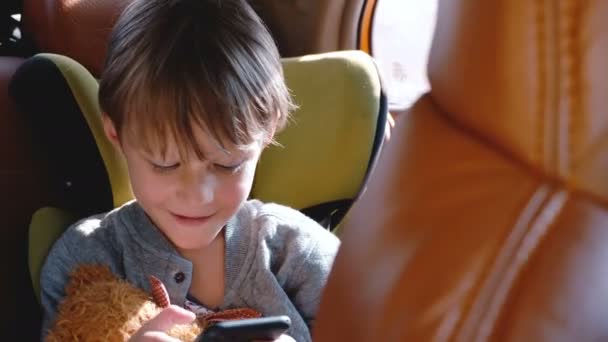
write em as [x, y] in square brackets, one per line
[78, 29]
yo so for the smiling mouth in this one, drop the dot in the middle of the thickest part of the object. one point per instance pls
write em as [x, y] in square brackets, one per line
[191, 219]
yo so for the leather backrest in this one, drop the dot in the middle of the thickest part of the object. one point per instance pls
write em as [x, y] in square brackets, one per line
[486, 217]
[80, 29]
[529, 76]
[311, 26]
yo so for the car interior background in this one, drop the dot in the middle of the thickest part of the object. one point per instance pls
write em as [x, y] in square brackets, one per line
[486, 216]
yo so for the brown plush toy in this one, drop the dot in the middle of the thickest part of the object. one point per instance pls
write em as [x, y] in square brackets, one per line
[101, 307]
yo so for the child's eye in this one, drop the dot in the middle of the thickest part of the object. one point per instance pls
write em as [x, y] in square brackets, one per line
[229, 168]
[164, 168]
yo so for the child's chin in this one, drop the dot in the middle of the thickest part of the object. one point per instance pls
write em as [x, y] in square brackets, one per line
[192, 243]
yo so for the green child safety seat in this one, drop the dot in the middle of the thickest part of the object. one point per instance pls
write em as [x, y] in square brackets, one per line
[327, 150]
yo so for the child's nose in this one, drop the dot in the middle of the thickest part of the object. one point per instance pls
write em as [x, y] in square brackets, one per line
[199, 189]
[207, 188]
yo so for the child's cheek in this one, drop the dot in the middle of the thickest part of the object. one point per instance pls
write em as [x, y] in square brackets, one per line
[248, 173]
[153, 189]
[245, 180]
[148, 186]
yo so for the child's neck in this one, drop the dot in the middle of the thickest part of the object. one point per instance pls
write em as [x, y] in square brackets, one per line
[208, 272]
[208, 253]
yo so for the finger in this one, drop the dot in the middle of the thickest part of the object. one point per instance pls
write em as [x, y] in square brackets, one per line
[282, 338]
[157, 336]
[285, 338]
[169, 317]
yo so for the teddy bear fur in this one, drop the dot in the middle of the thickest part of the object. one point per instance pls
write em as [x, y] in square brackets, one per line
[99, 306]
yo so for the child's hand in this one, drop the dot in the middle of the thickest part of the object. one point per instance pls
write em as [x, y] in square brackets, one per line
[282, 338]
[156, 328]
[285, 338]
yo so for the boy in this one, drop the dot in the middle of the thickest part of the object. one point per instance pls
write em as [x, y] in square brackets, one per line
[192, 91]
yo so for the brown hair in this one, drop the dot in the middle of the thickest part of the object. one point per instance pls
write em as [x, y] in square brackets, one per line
[176, 64]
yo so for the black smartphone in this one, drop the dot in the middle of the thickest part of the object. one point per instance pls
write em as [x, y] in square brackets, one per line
[246, 330]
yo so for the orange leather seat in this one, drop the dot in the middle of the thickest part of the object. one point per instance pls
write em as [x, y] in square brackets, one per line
[487, 216]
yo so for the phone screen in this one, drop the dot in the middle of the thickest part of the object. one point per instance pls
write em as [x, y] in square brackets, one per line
[252, 329]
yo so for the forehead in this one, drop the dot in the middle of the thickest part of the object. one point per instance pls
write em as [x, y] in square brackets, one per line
[170, 143]
[190, 121]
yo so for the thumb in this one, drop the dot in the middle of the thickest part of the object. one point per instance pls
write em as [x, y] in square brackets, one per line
[169, 317]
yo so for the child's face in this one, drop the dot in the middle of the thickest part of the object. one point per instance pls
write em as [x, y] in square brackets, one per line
[191, 200]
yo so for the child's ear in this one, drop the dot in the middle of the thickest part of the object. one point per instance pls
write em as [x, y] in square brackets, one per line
[110, 130]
